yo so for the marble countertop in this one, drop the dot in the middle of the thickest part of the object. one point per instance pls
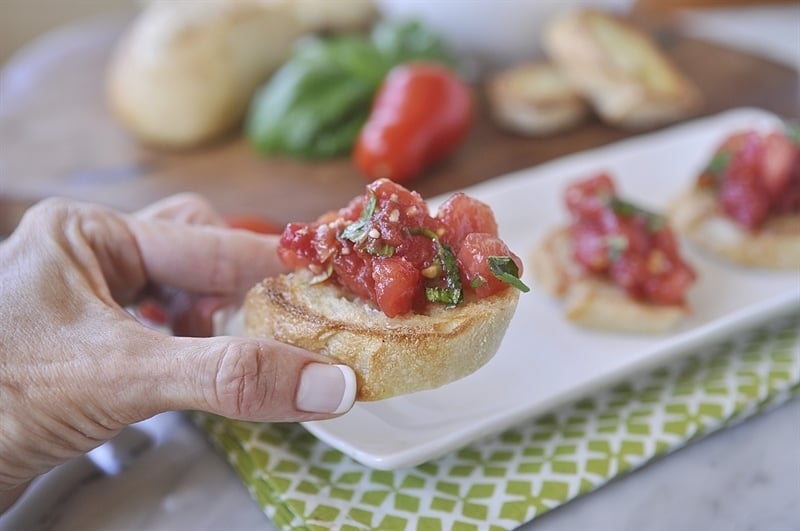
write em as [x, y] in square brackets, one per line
[162, 474]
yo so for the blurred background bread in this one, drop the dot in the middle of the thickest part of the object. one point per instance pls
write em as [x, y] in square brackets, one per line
[535, 98]
[185, 72]
[619, 68]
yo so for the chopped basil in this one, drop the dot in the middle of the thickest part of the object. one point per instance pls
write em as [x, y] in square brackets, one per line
[616, 245]
[718, 163]
[381, 249]
[626, 209]
[793, 131]
[506, 270]
[357, 230]
[477, 282]
[451, 294]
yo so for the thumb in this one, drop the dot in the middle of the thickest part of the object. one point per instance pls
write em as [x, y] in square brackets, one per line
[249, 379]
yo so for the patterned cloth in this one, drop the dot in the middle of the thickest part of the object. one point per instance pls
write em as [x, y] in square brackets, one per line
[508, 479]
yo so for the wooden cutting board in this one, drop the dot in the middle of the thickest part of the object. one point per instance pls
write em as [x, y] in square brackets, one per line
[57, 137]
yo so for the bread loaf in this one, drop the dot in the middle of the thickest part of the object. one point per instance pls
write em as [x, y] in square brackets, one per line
[185, 72]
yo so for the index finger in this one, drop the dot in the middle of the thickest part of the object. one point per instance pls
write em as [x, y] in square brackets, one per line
[204, 259]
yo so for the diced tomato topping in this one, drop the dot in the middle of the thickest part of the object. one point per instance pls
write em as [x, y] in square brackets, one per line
[395, 285]
[474, 259]
[632, 247]
[387, 248]
[756, 176]
[463, 215]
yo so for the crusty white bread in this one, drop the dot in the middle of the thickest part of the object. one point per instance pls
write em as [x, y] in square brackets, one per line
[535, 99]
[186, 71]
[697, 215]
[628, 79]
[390, 356]
[591, 301]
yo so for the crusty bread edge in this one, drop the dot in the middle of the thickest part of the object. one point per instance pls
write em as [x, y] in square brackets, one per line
[390, 356]
[590, 301]
[696, 215]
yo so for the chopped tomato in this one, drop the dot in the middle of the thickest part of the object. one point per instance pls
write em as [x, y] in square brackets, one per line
[395, 285]
[474, 259]
[421, 114]
[386, 247]
[634, 248]
[755, 176]
[463, 215]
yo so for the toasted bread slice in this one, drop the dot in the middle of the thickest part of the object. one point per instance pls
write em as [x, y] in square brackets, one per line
[592, 301]
[697, 215]
[390, 356]
[535, 99]
[630, 82]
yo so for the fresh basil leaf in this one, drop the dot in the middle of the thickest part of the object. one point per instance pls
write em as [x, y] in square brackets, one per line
[506, 270]
[452, 275]
[452, 293]
[719, 162]
[357, 230]
[792, 131]
[627, 209]
[477, 282]
[616, 244]
[381, 249]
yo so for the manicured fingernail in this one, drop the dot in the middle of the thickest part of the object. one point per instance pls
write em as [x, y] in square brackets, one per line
[326, 388]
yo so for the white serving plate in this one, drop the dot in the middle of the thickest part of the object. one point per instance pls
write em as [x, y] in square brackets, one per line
[544, 361]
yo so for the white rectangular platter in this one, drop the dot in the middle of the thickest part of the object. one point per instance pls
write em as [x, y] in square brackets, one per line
[544, 361]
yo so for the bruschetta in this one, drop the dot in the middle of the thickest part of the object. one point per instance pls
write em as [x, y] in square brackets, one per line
[409, 300]
[616, 266]
[745, 205]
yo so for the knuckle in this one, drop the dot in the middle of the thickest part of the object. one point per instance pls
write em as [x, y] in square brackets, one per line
[240, 387]
[194, 209]
[53, 208]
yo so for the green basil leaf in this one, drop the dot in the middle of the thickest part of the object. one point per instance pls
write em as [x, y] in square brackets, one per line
[718, 163]
[627, 209]
[477, 282]
[616, 244]
[506, 270]
[452, 293]
[793, 131]
[357, 230]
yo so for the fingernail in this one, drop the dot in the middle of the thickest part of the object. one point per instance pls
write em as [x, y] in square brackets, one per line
[326, 388]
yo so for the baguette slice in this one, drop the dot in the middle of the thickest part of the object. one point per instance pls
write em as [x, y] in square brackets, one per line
[591, 301]
[696, 214]
[390, 356]
[185, 72]
[630, 82]
[535, 99]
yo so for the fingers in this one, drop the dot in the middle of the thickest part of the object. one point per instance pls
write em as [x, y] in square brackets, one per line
[186, 208]
[247, 378]
[204, 259]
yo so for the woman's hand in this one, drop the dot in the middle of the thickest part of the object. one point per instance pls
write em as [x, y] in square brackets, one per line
[75, 367]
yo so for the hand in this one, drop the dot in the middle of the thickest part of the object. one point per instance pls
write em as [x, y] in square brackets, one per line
[75, 367]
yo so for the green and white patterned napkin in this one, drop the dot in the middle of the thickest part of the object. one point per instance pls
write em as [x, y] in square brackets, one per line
[508, 479]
